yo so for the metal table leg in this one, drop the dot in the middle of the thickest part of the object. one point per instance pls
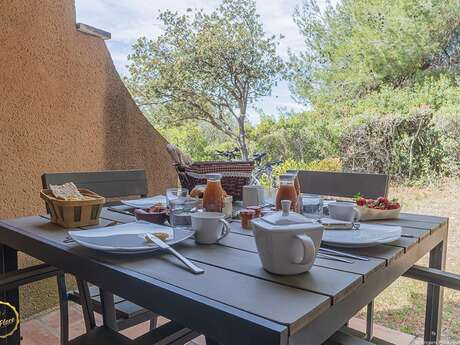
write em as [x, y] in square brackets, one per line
[86, 304]
[370, 321]
[63, 309]
[109, 316]
[433, 315]
[9, 263]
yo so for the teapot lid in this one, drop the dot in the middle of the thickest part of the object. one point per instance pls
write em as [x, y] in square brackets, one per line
[285, 217]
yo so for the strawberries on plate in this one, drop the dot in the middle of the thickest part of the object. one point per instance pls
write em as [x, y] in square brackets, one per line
[380, 208]
[380, 203]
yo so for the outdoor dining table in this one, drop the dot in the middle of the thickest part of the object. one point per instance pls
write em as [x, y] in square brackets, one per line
[236, 302]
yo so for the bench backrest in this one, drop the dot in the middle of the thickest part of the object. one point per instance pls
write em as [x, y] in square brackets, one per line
[109, 184]
[343, 184]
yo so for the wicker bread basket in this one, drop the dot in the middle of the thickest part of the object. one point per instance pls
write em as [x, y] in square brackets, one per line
[74, 213]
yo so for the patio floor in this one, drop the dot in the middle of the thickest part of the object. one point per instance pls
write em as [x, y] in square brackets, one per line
[44, 329]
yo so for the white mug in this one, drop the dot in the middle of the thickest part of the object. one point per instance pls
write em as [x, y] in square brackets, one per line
[345, 211]
[210, 227]
[253, 195]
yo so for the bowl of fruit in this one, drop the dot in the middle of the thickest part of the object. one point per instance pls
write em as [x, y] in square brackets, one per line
[156, 214]
[380, 208]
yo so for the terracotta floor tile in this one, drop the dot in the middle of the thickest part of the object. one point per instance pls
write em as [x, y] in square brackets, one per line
[76, 329]
[52, 319]
[34, 332]
[390, 335]
[200, 340]
[137, 330]
[44, 330]
[162, 320]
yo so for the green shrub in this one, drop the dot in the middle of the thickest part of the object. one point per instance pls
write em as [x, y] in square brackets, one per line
[303, 137]
[404, 146]
[200, 141]
[410, 132]
[329, 164]
[447, 121]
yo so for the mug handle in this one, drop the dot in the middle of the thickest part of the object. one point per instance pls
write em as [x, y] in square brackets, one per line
[309, 249]
[225, 230]
[356, 215]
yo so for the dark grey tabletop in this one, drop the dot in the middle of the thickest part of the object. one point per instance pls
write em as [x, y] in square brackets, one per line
[235, 301]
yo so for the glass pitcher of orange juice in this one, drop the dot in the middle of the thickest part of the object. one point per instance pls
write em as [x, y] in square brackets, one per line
[213, 197]
[296, 180]
[287, 191]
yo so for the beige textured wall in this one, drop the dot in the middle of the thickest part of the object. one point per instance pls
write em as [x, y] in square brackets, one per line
[63, 107]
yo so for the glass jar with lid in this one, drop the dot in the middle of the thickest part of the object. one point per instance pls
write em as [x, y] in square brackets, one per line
[213, 197]
[287, 191]
[246, 215]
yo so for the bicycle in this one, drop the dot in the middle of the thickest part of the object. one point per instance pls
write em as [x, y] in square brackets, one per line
[260, 172]
[229, 155]
[263, 170]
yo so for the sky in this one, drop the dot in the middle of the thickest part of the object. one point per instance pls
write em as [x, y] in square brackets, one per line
[128, 20]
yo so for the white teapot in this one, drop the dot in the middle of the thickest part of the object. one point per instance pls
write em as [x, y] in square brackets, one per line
[287, 242]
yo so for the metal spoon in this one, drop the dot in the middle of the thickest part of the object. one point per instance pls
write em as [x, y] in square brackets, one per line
[152, 238]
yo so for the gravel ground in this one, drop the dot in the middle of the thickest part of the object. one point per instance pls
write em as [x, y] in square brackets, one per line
[402, 305]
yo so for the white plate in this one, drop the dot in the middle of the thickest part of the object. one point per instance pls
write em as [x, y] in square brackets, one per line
[127, 238]
[145, 202]
[368, 235]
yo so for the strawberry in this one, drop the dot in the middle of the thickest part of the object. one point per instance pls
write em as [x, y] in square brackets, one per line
[383, 201]
[361, 202]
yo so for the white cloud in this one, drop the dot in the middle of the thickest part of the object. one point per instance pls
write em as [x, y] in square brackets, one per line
[128, 20]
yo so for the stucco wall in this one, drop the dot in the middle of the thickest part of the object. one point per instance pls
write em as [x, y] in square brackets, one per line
[63, 107]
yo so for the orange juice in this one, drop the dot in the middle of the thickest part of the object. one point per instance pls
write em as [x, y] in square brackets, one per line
[296, 180]
[287, 192]
[213, 197]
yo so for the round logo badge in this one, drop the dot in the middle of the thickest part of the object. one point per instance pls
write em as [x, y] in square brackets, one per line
[9, 319]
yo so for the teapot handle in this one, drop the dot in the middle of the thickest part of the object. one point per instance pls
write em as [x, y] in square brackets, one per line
[309, 249]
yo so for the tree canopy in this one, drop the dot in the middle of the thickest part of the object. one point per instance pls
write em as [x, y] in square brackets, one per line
[360, 45]
[381, 78]
[206, 66]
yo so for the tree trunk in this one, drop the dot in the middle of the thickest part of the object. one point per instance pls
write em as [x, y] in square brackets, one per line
[242, 139]
[244, 150]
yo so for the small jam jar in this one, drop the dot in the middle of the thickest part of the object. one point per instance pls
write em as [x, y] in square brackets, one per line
[257, 210]
[246, 216]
